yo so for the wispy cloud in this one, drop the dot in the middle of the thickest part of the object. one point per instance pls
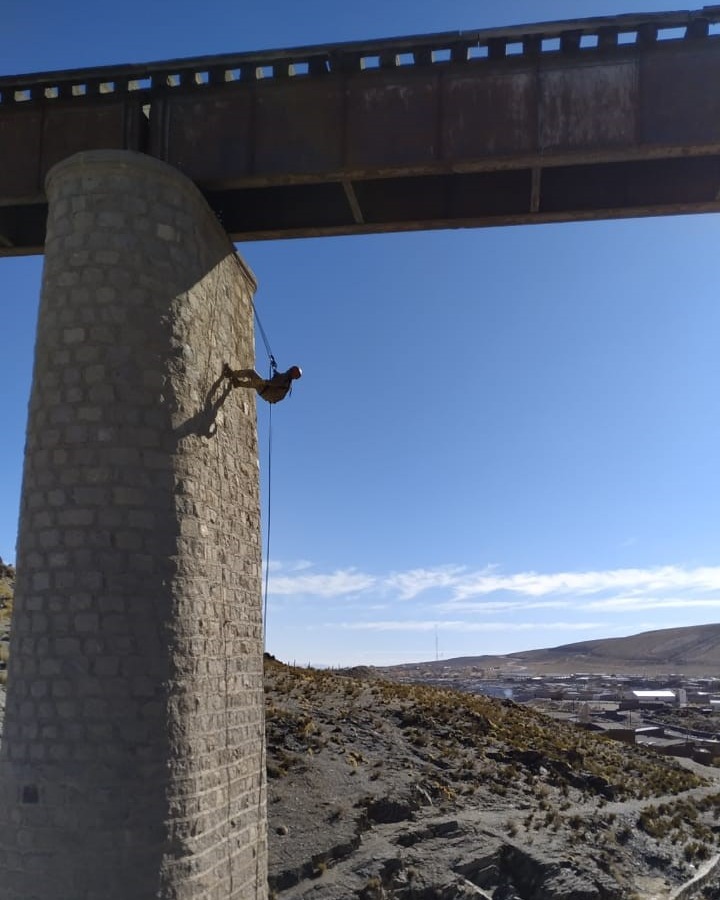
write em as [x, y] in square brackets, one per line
[464, 625]
[641, 604]
[299, 565]
[415, 581]
[363, 614]
[636, 581]
[397, 625]
[333, 584]
[454, 592]
[511, 604]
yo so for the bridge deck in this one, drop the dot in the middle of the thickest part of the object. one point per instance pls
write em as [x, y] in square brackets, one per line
[582, 119]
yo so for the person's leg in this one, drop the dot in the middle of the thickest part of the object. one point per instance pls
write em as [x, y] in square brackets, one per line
[243, 377]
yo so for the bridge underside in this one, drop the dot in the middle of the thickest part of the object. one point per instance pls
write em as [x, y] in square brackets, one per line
[598, 118]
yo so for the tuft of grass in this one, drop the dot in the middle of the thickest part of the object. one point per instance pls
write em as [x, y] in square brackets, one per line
[319, 868]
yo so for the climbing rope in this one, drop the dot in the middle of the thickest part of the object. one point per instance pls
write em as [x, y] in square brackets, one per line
[259, 873]
[273, 371]
[267, 528]
[273, 364]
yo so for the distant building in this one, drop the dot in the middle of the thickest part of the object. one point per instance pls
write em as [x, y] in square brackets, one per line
[654, 695]
[654, 698]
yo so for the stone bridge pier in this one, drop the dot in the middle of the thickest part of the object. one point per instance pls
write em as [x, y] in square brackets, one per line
[132, 754]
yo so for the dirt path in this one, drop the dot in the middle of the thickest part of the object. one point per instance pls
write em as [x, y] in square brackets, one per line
[686, 890]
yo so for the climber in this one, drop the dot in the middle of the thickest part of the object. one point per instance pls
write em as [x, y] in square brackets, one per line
[272, 389]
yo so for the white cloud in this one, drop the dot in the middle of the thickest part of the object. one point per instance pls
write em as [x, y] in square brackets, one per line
[464, 625]
[534, 584]
[498, 610]
[415, 581]
[396, 625]
[495, 606]
[334, 584]
[489, 591]
[644, 604]
[299, 565]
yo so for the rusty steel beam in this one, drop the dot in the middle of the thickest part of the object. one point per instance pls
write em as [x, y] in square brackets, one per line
[582, 119]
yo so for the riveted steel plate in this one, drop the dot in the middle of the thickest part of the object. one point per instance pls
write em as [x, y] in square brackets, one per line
[569, 93]
[107, 125]
[20, 143]
[206, 133]
[298, 128]
[392, 120]
[490, 115]
[680, 97]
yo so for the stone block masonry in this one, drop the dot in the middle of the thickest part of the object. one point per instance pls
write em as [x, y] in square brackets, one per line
[132, 756]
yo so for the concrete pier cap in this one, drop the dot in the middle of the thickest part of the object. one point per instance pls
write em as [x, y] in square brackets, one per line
[132, 754]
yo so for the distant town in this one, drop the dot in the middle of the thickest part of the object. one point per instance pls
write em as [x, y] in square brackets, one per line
[672, 714]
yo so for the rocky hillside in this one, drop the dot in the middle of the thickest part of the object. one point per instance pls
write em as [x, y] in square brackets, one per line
[7, 585]
[693, 650]
[380, 790]
[673, 648]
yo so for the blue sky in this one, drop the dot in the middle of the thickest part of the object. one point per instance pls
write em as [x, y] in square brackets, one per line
[504, 438]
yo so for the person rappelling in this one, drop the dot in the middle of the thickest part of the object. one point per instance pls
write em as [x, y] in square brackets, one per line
[273, 389]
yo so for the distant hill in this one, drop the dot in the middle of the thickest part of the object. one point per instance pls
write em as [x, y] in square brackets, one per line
[693, 650]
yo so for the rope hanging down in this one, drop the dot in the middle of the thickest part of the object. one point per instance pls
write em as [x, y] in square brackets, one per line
[263, 750]
[267, 530]
[274, 368]
[274, 389]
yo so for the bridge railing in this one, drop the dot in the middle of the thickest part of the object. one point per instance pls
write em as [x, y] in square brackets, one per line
[580, 37]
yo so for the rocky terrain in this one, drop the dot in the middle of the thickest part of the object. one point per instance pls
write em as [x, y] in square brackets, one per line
[7, 584]
[381, 790]
[693, 650]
